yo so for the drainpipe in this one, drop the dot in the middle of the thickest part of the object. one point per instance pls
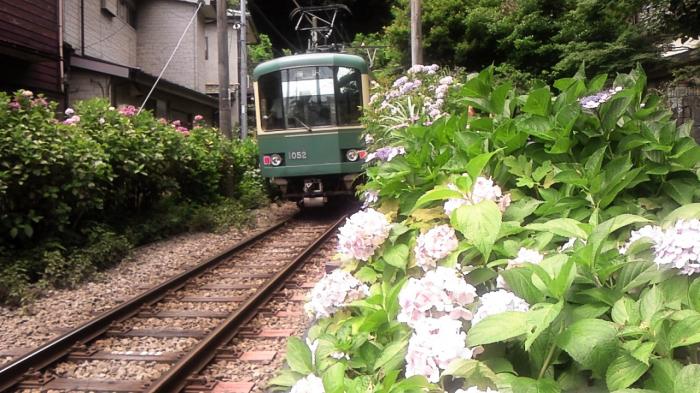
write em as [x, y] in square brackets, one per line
[61, 67]
[82, 27]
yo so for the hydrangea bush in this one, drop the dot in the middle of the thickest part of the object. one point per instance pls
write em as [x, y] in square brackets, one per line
[537, 242]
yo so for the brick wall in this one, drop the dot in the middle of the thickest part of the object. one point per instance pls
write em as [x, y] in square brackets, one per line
[163, 23]
[685, 104]
[108, 38]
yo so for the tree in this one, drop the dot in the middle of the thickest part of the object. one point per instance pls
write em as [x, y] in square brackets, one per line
[541, 38]
[261, 51]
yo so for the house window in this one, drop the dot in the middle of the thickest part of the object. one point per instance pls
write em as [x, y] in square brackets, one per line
[126, 11]
[206, 48]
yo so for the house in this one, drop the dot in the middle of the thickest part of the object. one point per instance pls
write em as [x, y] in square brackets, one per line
[116, 49]
[30, 46]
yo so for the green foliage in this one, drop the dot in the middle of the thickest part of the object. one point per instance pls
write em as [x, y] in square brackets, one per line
[69, 189]
[527, 38]
[576, 178]
[262, 51]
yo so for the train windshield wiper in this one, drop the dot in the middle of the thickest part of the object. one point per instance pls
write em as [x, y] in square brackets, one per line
[303, 124]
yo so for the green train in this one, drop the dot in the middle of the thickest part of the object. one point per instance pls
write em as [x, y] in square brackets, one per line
[307, 110]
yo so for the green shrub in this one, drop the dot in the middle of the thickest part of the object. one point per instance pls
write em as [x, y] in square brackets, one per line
[51, 175]
[541, 242]
[14, 283]
[104, 248]
[62, 272]
[64, 185]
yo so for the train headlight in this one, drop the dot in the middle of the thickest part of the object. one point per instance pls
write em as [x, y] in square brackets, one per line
[276, 159]
[352, 155]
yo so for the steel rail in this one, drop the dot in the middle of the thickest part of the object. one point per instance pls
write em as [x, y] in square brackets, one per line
[199, 357]
[14, 373]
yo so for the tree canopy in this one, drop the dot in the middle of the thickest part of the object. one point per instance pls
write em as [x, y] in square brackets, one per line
[542, 38]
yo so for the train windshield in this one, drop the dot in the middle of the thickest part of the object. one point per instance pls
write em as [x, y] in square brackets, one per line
[310, 97]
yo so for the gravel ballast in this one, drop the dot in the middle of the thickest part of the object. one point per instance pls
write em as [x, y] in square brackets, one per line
[147, 265]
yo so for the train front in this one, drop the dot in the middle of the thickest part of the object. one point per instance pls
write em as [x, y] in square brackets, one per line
[308, 109]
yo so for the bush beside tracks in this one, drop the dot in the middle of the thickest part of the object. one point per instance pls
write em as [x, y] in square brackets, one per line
[77, 195]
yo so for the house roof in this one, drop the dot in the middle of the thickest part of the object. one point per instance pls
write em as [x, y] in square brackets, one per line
[142, 78]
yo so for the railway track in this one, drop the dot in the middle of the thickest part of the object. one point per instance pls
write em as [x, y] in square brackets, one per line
[211, 302]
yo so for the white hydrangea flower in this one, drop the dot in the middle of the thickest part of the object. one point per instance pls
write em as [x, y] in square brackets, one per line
[676, 247]
[434, 344]
[333, 292]
[308, 384]
[362, 234]
[447, 80]
[483, 189]
[651, 232]
[496, 302]
[441, 292]
[680, 248]
[525, 255]
[434, 245]
[416, 69]
[474, 389]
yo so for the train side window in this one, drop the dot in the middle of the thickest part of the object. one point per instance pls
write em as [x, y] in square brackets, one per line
[348, 95]
[272, 114]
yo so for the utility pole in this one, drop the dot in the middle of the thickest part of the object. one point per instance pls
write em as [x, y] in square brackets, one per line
[224, 85]
[416, 34]
[243, 78]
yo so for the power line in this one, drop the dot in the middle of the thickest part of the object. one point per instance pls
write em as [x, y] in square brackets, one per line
[272, 25]
[171, 57]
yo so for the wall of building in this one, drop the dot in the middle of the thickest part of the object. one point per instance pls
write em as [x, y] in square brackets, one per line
[85, 85]
[163, 24]
[212, 62]
[30, 45]
[106, 37]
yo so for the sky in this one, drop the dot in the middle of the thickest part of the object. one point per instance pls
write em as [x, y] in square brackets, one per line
[272, 18]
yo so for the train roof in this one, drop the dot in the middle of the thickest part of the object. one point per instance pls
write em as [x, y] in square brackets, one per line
[311, 59]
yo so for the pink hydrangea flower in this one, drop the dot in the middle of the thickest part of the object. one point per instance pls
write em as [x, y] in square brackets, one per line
[14, 105]
[333, 292]
[40, 101]
[441, 292]
[434, 245]
[198, 118]
[435, 343]
[128, 110]
[72, 120]
[176, 123]
[27, 93]
[362, 234]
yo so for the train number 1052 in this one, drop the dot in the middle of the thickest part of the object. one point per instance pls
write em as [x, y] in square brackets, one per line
[297, 155]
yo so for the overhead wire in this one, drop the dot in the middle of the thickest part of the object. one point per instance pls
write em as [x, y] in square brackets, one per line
[272, 25]
[179, 42]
